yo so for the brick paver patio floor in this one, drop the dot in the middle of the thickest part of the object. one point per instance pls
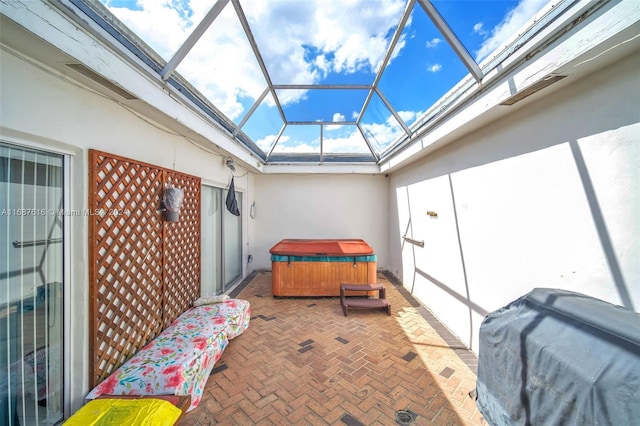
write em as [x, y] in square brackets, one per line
[302, 362]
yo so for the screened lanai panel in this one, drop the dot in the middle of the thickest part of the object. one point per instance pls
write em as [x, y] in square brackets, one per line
[484, 25]
[287, 47]
[164, 26]
[343, 139]
[300, 139]
[223, 67]
[422, 70]
[379, 125]
[322, 42]
[325, 105]
[264, 124]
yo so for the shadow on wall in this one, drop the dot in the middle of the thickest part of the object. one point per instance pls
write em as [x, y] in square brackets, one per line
[464, 299]
[576, 113]
[601, 227]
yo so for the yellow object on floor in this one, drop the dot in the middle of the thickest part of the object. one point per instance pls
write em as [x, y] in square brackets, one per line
[130, 412]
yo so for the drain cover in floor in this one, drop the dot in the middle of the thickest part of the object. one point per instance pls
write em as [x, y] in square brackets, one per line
[405, 417]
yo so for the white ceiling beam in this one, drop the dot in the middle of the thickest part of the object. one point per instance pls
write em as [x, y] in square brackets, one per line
[322, 86]
[255, 106]
[192, 39]
[452, 39]
[387, 57]
[394, 113]
[256, 52]
[366, 140]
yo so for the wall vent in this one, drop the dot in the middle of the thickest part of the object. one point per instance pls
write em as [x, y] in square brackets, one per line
[547, 81]
[80, 68]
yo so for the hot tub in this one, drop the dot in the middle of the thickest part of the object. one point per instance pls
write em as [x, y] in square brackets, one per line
[318, 267]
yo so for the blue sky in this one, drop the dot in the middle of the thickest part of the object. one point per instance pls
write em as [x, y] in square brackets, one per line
[324, 42]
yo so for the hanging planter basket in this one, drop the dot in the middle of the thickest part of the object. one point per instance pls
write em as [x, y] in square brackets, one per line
[172, 199]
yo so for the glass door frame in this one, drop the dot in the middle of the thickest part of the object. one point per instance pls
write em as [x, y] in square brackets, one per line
[227, 285]
[221, 191]
[68, 157]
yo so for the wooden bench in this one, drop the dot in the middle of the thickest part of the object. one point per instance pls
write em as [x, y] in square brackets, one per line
[366, 303]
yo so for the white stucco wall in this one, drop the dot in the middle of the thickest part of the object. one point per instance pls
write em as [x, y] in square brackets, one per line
[545, 197]
[43, 111]
[320, 206]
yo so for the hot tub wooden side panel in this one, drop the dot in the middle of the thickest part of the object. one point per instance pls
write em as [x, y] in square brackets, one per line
[319, 278]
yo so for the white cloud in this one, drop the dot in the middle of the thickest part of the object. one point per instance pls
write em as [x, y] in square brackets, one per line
[383, 134]
[477, 28]
[337, 117]
[349, 143]
[265, 143]
[434, 68]
[434, 42]
[355, 31]
[296, 147]
[410, 116]
[510, 26]
[323, 64]
[155, 14]
[303, 41]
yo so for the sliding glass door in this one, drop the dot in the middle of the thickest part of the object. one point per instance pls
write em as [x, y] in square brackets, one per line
[221, 242]
[211, 250]
[31, 286]
[232, 244]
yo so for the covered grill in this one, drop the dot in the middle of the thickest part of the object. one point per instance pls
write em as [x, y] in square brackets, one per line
[555, 357]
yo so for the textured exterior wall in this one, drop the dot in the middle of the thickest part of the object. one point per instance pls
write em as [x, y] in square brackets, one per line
[42, 111]
[320, 206]
[545, 197]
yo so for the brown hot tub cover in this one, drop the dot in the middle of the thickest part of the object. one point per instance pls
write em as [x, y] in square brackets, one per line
[296, 247]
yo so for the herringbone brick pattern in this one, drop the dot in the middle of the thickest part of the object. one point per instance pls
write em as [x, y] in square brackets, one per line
[301, 362]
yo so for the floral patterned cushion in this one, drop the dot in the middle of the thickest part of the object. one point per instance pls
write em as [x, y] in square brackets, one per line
[180, 359]
[236, 313]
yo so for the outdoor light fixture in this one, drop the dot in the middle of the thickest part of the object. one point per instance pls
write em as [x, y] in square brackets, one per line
[231, 164]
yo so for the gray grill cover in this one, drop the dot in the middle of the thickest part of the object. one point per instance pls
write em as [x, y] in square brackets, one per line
[555, 357]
